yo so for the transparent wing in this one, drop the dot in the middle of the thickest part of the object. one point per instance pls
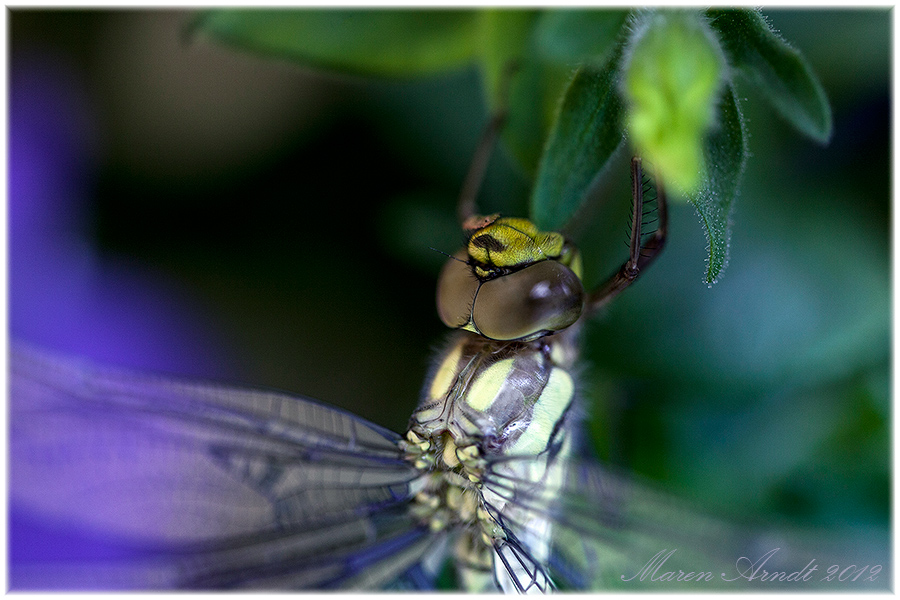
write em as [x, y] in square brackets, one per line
[603, 527]
[608, 531]
[206, 486]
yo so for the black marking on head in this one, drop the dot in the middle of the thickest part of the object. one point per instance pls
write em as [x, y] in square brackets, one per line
[488, 242]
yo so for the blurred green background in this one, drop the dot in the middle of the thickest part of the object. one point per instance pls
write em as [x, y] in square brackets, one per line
[293, 215]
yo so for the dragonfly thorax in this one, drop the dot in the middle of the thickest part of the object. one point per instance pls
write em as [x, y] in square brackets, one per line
[487, 406]
[452, 500]
[449, 494]
[507, 398]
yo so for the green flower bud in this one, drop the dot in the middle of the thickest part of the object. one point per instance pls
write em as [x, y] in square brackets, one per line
[672, 75]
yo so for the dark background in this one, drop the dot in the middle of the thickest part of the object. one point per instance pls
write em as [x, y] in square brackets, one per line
[182, 207]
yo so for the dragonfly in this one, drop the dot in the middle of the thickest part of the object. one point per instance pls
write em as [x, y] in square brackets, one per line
[206, 486]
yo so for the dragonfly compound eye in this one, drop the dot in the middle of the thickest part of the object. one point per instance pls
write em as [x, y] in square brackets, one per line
[457, 287]
[544, 297]
[540, 298]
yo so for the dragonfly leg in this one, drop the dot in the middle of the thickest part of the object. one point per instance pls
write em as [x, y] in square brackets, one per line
[465, 208]
[640, 255]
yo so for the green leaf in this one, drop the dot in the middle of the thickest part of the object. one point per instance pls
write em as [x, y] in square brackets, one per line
[575, 36]
[671, 79]
[725, 153]
[514, 81]
[366, 42]
[587, 132]
[778, 70]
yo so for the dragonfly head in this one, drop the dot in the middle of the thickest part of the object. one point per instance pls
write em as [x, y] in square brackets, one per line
[511, 281]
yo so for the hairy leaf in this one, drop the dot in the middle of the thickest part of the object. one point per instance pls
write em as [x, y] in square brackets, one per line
[779, 71]
[725, 153]
[587, 132]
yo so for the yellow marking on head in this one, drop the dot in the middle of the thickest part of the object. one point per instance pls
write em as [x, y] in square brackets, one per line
[485, 388]
[551, 404]
[482, 273]
[445, 374]
[508, 242]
